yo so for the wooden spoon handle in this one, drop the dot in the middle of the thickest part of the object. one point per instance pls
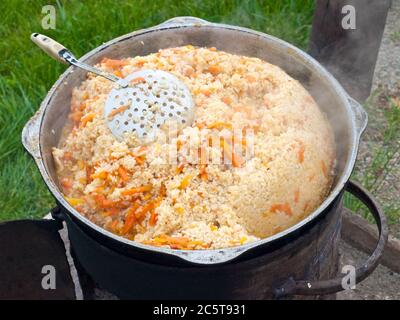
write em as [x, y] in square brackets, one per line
[51, 47]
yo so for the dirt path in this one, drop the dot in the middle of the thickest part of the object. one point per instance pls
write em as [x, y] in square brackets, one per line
[387, 70]
[386, 90]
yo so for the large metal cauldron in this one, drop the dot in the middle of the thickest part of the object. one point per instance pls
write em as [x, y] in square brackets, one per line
[263, 269]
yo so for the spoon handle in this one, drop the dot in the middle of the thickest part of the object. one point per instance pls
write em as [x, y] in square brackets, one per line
[63, 55]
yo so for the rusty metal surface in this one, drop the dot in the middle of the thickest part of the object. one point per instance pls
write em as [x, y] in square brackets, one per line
[347, 118]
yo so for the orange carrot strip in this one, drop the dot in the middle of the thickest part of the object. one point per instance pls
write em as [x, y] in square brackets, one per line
[237, 161]
[133, 191]
[74, 201]
[163, 190]
[281, 207]
[139, 160]
[111, 211]
[89, 173]
[185, 182]
[305, 208]
[76, 116]
[139, 155]
[180, 167]
[87, 118]
[203, 155]
[67, 156]
[66, 183]
[140, 63]
[250, 78]
[199, 125]
[102, 202]
[141, 151]
[214, 70]
[147, 196]
[324, 169]
[137, 80]
[181, 243]
[177, 240]
[203, 164]
[179, 145]
[81, 164]
[227, 100]
[142, 210]
[113, 63]
[123, 173]
[130, 219]
[101, 175]
[203, 172]
[82, 106]
[118, 73]
[113, 226]
[118, 110]
[296, 196]
[219, 125]
[153, 218]
[300, 154]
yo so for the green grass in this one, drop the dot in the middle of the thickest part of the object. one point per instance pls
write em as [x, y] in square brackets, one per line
[395, 36]
[26, 73]
[384, 147]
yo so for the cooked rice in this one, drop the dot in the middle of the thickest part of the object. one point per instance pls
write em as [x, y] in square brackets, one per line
[130, 190]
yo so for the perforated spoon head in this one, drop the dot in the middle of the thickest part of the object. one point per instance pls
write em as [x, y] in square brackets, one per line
[152, 99]
[141, 103]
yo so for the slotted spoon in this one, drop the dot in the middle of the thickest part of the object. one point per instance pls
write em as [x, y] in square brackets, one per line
[140, 103]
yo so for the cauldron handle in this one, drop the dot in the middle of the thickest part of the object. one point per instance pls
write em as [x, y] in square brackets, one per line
[56, 213]
[295, 287]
